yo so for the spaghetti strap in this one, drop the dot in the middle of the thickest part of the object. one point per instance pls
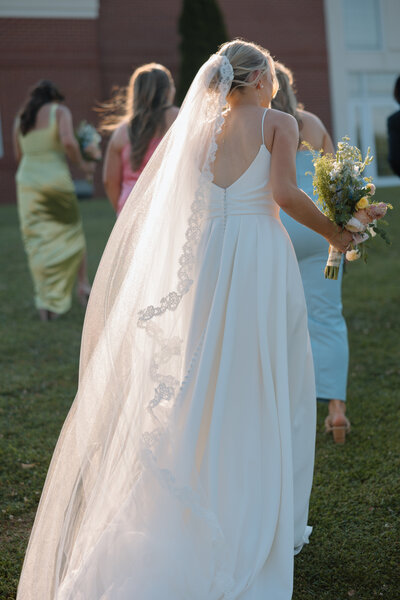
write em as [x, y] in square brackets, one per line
[262, 126]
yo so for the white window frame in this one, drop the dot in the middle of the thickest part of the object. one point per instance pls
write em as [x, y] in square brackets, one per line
[367, 135]
[365, 104]
[50, 9]
[382, 44]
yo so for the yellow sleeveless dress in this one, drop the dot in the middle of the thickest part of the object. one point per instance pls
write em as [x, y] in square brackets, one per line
[49, 217]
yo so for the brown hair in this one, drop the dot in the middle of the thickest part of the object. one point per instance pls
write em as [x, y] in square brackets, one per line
[142, 104]
[42, 93]
[285, 100]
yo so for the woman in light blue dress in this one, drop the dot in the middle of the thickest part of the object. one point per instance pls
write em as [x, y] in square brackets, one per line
[326, 323]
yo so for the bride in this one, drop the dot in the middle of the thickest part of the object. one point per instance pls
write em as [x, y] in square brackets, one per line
[184, 468]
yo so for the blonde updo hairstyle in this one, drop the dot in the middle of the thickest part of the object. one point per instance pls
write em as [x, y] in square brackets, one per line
[248, 59]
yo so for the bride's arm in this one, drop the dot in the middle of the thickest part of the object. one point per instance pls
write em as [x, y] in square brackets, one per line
[290, 198]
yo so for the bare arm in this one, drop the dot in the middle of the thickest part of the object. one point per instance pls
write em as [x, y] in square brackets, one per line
[69, 142]
[67, 136]
[314, 132]
[290, 198]
[16, 146]
[171, 115]
[112, 170]
[327, 144]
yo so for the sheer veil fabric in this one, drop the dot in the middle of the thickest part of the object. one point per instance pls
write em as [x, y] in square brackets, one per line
[129, 509]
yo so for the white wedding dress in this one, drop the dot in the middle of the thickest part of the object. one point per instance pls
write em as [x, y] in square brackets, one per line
[221, 507]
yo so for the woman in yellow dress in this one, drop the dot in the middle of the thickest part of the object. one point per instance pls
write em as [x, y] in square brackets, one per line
[48, 210]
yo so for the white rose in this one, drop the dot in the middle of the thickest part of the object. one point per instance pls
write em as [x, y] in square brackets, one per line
[352, 255]
[354, 225]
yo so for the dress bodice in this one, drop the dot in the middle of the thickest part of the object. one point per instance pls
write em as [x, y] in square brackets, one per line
[43, 162]
[250, 194]
[43, 141]
[128, 175]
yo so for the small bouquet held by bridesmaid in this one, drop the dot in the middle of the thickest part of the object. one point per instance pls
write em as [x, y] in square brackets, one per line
[89, 141]
[345, 197]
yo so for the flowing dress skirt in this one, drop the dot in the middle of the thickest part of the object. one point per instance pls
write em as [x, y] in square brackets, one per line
[54, 242]
[222, 507]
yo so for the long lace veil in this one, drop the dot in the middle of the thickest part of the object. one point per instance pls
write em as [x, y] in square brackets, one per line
[123, 427]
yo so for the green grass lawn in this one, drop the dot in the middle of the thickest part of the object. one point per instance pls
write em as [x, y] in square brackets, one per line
[355, 505]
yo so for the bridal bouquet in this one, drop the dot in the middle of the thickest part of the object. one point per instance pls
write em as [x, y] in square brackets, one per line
[345, 197]
[89, 141]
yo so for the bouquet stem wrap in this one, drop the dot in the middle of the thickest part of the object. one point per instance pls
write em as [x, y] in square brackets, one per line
[333, 263]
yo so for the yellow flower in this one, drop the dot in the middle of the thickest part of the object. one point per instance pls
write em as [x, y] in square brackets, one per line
[362, 203]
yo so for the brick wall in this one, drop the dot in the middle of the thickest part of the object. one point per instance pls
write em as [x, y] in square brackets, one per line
[86, 58]
[63, 50]
[294, 33]
[133, 33]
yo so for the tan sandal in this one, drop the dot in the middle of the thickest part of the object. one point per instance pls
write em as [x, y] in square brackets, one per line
[338, 431]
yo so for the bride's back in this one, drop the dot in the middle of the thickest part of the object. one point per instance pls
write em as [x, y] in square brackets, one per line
[239, 143]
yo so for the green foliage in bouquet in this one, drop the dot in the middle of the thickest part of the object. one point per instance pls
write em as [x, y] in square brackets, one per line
[202, 30]
[338, 180]
[381, 232]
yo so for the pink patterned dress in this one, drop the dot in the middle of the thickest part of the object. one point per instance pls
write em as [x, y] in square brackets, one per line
[129, 177]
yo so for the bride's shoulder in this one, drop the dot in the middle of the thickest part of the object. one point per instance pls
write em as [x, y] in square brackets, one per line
[282, 125]
[282, 119]
[280, 131]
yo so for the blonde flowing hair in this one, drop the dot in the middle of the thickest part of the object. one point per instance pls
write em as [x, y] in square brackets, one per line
[142, 105]
[286, 100]
[246, 59]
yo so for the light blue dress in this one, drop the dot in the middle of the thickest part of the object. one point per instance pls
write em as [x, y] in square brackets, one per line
[326, 323]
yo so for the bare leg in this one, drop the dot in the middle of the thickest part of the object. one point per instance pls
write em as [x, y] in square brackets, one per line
[337, 412]
[83, 279]
[43, 314]
[336, 421]
[83, 288]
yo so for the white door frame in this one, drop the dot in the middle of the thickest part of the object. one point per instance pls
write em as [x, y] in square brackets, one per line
[365, 107]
